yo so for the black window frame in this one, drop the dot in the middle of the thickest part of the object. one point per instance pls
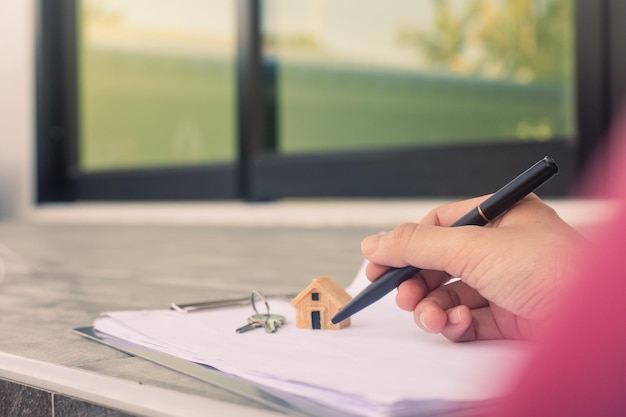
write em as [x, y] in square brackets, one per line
[259, 173]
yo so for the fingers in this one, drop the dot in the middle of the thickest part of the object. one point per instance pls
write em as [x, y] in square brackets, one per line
[459, 326]
[465, 325]
[485, 323]
[411, 292]
[462, 324]
[373, 271]
[431, 313]
[427, 245]
[480, 256]
[460, 314]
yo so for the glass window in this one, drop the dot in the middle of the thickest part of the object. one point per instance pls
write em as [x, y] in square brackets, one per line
[356, 75]
[156, 83]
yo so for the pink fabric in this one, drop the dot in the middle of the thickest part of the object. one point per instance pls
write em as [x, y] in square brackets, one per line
[579, 368]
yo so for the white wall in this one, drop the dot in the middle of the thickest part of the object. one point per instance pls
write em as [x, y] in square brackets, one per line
[17, 26]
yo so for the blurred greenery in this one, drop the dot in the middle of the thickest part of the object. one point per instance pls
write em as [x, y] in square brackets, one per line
[141, 108]
[519, 40]
[326, 109]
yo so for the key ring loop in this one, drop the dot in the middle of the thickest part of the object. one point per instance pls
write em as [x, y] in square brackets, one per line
[262, 298]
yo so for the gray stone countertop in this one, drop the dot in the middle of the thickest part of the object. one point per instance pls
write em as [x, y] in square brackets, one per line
[58, 277]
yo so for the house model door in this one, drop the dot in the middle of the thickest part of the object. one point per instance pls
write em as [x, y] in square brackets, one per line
[316, 322]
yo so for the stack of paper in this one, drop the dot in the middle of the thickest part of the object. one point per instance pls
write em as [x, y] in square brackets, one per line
[382, 365]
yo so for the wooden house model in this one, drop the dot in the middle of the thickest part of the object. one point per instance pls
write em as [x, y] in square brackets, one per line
[318, 303]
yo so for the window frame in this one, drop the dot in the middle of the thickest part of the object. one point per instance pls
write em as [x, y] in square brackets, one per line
[259, 173]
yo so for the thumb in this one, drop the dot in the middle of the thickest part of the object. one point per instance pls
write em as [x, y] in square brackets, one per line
[430, 247]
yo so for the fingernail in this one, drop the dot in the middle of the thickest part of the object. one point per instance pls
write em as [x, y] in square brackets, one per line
[422, 319]
[454, 316]
[370, 244]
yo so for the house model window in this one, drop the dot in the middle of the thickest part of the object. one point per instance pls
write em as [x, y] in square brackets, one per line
[318, 303]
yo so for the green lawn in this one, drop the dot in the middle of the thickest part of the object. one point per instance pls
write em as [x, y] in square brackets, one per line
[140, 110]
[325, 109]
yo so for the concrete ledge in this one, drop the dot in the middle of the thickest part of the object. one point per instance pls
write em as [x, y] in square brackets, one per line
[288, 213]
[118, 394]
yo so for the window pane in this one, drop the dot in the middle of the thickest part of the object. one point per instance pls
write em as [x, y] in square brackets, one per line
[156, 83]
[364, 75]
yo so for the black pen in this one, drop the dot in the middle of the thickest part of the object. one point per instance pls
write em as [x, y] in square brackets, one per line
[501, 201]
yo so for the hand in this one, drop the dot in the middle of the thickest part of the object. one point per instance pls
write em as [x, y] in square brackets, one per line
[509, 270]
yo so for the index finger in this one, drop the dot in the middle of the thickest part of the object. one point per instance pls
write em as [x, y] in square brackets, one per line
[428, 247]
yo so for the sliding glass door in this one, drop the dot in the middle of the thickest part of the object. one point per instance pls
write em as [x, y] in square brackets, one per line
[156, 83]
[416, 98]
[258, 100]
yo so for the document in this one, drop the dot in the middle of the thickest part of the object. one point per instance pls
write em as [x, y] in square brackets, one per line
[382, 365]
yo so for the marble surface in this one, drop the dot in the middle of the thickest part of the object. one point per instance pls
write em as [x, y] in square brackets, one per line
[58, 277]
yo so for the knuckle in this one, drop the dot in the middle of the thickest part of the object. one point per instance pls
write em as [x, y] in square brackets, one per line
[405, 241]
[404, 234]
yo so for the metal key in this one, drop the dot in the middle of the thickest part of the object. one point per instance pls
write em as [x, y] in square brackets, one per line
[270, 322]
[252, 324]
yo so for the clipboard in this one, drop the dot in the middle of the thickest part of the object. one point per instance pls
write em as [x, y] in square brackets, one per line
[273, 399]
[457, 390]
[279, 401]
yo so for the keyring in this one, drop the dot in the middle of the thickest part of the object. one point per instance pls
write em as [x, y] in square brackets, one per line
[270, 322]
[262, 298]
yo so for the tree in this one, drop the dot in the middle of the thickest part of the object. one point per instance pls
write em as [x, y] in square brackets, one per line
[444, 47]
[522, 40]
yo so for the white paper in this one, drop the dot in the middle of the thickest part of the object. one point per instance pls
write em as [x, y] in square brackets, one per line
[383, 364]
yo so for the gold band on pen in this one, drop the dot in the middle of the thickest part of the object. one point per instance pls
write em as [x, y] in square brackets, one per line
[480, 211]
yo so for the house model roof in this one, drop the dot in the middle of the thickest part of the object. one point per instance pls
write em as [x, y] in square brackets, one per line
[327, 287]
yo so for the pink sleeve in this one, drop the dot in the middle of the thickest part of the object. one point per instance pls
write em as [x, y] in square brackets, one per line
[579, 367]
